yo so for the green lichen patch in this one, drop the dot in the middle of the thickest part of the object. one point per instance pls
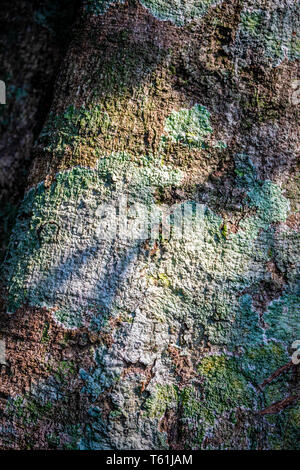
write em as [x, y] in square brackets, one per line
[179, 12]
[228, 384]
[165, 397]
[265, 196]
[282, 318]
[271, 204]
[289, 423]
[252, 21]
[74, 133]
[49, 217]
[28, 410]
[273, 32]
[189, 126]
[80, 135]
[225, 386]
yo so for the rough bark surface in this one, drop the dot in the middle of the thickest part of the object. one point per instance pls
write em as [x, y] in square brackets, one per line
[180, 337]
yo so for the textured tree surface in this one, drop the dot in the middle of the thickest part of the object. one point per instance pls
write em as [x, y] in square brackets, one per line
[179, 337]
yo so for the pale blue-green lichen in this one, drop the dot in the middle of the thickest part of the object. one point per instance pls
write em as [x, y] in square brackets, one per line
[253, 349]
[283, 317]
[200, 282]
[179, 12]
[275, 32]
[229, 382]
[190, 127]
[61, 215]
[99, 379]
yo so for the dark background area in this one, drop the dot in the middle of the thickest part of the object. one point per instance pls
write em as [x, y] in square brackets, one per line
[33, 38]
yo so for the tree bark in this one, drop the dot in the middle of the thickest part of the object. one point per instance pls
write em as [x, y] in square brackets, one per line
[151, 282]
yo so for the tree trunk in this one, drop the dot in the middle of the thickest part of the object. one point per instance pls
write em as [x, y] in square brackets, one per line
[151, 282]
